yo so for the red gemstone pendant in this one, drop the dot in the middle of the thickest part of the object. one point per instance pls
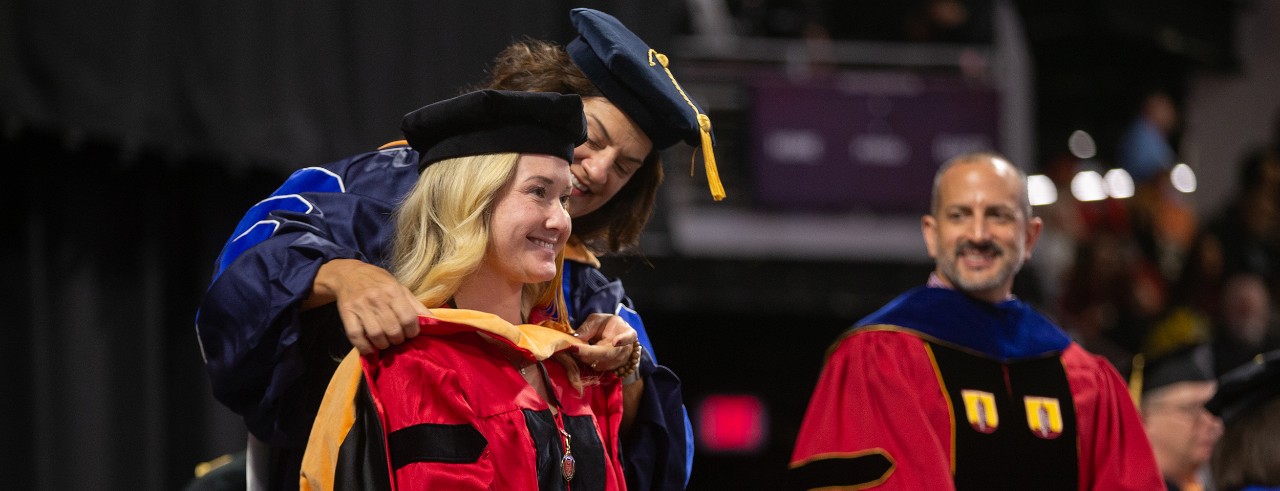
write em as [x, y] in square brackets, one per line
[568, 467]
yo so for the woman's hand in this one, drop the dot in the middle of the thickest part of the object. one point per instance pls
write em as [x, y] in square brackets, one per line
[377, 311]
[609, 342]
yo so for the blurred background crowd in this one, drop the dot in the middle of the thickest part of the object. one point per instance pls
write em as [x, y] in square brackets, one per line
[135, 134]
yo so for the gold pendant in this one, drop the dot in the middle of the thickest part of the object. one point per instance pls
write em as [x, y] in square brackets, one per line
[568, 466]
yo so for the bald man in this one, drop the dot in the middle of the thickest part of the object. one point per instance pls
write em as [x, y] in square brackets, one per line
[958, 384]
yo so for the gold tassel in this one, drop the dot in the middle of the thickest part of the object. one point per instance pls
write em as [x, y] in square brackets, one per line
[209, 466]
[1135, 379]
[704, 129]
[709, 159]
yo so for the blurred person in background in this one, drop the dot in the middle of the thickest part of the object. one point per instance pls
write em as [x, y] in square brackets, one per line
[1225, 290]
[1144, 149]
[1175, 389]
[1248, 228]
[1164, 223]
[1247, 457]
[1194, 300]
[1246, 324]
[1110, 297]
[1065, 228]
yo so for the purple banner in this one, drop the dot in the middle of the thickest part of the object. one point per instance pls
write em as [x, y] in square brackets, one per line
[863, 142]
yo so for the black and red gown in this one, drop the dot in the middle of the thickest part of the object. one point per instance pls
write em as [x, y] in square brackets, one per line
[449, 410]
[940, 391]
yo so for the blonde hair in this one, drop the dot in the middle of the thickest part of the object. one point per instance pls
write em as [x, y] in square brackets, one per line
[442, 229]
[442, 234]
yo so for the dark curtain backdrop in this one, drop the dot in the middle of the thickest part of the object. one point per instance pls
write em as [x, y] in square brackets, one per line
[134, 134]
[284, 81]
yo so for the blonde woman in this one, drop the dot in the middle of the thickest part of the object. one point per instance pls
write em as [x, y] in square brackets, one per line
[476, 401]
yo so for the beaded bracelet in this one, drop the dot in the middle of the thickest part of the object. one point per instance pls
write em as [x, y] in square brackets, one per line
[633, 364]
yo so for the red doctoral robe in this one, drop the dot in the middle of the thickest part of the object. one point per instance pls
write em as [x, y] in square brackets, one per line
[938, 391]
[450, 411]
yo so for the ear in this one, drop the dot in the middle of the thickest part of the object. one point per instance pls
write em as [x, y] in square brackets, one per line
[1034, 226]
[929, 228]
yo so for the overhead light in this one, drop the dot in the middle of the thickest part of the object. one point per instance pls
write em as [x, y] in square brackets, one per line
[1119, 184]
[1183, 178]
[1041, 191]
[1088, 186]
[1081, 145]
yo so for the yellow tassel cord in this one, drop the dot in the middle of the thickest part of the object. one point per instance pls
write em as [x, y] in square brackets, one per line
[704, 128]
[1135, 379]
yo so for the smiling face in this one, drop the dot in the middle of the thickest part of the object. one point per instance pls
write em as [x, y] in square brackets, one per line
[529, 225]
[614, 150]
[979, 233]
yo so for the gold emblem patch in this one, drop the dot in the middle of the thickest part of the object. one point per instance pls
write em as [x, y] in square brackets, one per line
[1044, 416]
[980, 408]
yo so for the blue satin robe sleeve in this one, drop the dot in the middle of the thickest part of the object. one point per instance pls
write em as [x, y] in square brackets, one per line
[249, 324]
[261, 363]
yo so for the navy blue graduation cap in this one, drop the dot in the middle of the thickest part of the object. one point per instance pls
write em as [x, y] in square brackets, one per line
[636, 78]
[1247, 387]
[496, 121]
